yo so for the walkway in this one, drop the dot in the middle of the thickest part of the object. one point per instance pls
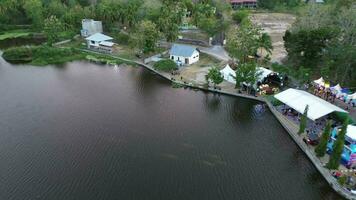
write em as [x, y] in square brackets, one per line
[216, 51]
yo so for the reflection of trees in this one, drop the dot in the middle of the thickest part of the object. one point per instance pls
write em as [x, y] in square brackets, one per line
[212, 102]
[242, 110]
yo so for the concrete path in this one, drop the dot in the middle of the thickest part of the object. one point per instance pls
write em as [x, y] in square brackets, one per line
[216, 51]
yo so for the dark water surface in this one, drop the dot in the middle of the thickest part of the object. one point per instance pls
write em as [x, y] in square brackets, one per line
[83, 131]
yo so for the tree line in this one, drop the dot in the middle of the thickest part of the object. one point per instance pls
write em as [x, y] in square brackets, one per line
[155, 18]
[323, 41]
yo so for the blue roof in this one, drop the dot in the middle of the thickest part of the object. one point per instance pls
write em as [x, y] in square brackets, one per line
[182, 50]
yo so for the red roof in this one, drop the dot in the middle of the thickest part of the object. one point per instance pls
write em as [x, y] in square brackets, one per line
[243, 1]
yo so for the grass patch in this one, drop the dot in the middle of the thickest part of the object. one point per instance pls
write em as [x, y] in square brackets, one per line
[166, 65]
[15, 34]
[42, 55]
[273, 100]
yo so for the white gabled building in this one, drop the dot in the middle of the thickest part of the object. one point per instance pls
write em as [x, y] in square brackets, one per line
[184, 54]
[100, 42]
[90, 27]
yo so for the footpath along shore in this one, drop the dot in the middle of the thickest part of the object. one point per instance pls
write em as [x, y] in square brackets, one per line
[289, 126]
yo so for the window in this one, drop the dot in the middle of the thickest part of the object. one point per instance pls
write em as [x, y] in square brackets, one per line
[172, 57]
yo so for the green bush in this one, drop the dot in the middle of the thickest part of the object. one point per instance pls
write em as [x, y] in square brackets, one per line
[41, 55]
[273, 100]
[122, 38]
[165, 65]
[18, 54]
[240, 15]
[342, 180]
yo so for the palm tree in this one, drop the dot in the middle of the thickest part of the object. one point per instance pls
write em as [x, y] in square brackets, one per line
[266, 43]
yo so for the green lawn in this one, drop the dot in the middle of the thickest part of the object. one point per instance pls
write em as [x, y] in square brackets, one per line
[14, 34]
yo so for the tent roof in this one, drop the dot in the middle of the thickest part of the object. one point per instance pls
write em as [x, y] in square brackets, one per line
[264, 72]
[336, 87]
[351, 132]
[182, 50]
[352, 96]
[99, 37]
[320, 81]
[228, 70]
[298, 100]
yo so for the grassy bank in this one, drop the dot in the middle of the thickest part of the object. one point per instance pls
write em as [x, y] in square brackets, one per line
[15, 34]
[45, 55]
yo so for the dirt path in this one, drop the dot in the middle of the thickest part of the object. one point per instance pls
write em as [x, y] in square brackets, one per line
[275, 24]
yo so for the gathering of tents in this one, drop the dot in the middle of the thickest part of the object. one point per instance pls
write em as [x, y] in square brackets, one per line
[341, 93]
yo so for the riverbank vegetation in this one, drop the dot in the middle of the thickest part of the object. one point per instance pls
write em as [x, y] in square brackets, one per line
[165, 65]
[322, 42]
[46, 55]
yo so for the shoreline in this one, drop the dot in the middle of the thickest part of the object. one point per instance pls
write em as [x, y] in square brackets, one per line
[281, 119]
[293, 133]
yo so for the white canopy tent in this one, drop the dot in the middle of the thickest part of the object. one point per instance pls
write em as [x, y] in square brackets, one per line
[228, 74]
[351, 132]
[351, 96]
[336, 89]
[320, 81]
[298, 100]
[263, 73]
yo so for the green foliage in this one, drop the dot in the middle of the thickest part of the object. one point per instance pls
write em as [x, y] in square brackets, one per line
[145, 37]
[122, 38]
[342, 180]
[215, 76]
[323, 40]
[244, 41]
[165, 65]
[338, 147]
[278, 4]
[41, 55]
[246, 73]
[52, 28]
[18, 54]
[303, 120]
[273, 100]
[305, 47]
[170, 18]
[320, 150]
[240, 15]
[34, 11]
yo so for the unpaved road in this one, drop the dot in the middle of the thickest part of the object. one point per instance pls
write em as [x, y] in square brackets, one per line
[275, 24]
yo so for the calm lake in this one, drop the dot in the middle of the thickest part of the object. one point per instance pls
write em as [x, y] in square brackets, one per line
[91, 132]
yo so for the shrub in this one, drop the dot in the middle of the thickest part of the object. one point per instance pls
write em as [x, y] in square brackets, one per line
[240, 15]
[122, 38]
[18, 54]
[41, 55]
[165, 65]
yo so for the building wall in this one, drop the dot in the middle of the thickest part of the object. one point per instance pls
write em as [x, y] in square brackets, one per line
[194, 58]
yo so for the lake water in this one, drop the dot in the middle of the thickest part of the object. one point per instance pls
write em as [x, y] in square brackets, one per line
[84, 131]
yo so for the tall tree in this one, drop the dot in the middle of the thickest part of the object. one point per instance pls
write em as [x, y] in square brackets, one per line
[320, 150]
[145, 36]
[215, 76]
[266, 43]
[338, 147]
[34, 11]
[303, 120]
[244, 41]
[52, 26]
[246, 73]
[170, 18]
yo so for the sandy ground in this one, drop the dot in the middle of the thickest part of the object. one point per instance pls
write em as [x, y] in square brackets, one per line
[275, 24]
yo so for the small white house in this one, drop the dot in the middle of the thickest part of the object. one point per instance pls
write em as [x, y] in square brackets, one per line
[184, 54]
[90, 27]
[100, 42]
